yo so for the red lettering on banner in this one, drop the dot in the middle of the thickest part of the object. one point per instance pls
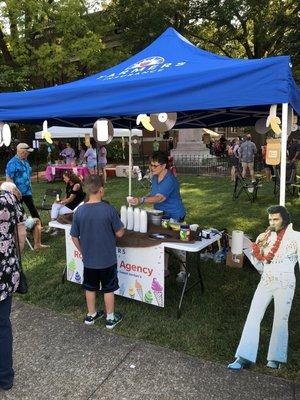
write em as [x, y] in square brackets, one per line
[136, 268]
[77, 254]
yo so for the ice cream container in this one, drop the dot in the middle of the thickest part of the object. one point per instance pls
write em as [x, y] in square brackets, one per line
[194, 227]
[143, 221]
[185, 232]
[165, 223]
[123, 214]
[136, 220]
[130, 219]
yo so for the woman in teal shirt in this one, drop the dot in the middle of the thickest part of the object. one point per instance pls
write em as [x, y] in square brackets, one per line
[165, 191]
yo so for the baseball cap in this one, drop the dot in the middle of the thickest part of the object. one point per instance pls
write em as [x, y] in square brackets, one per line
[24, 146]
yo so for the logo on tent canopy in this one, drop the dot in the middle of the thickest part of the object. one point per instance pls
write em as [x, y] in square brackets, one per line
[145, 63]
[148, 65]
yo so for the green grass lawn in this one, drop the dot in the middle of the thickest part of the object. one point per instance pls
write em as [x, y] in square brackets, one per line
[211, 324]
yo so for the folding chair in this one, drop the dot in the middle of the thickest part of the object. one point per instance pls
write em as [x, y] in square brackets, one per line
[29, 244]
[296, 186]
[141, 178]
[249, 188]
[49, 193]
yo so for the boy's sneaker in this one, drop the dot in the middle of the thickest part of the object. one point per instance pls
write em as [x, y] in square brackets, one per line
[273, 364]
[89, 320]
[111, 323]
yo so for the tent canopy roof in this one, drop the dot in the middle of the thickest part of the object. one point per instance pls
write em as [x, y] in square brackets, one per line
[170, 75]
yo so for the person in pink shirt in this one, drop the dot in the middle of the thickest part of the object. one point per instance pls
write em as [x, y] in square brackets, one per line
[91, 157]
[102, 161]
[68, 153]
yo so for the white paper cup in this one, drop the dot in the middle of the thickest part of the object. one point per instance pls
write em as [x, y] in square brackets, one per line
[194, 227]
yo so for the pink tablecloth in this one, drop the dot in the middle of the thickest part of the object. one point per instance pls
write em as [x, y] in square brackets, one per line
[51, 170]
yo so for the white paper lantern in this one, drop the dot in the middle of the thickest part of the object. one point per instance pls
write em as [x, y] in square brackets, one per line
[6, 135]
[103, 131]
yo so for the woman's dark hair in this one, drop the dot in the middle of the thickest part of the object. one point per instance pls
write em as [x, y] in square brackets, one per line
[93, 142]
[73, 177]
[285, 215]
[160, 157]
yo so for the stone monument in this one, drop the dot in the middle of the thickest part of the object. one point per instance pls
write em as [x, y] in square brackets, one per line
[190, 144]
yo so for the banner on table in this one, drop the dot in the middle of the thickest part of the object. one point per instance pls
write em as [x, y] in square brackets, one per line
[140, 271]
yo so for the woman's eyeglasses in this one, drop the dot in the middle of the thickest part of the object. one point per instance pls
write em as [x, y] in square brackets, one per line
[154, 165]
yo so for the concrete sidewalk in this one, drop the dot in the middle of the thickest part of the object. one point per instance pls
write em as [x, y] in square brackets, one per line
[58, 358]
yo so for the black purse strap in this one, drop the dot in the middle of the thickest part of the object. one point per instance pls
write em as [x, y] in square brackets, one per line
[18, 250]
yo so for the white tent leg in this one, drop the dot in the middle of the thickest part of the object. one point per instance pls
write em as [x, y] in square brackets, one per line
[130, 163]
[283, 153]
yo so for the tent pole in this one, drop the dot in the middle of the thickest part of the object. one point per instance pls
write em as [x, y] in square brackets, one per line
[283, 153]
[130, 162]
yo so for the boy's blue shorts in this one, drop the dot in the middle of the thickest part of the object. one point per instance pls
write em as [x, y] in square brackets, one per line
[105, 279]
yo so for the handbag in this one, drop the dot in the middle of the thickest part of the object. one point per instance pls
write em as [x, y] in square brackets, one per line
[23, 285]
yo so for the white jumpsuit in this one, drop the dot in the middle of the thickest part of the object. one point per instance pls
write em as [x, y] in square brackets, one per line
[278, 283]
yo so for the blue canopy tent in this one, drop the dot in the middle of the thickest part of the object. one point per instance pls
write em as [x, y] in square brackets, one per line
[170, 75]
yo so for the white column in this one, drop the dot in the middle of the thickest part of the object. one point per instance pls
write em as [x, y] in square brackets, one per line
[283, 153]
[130, 163]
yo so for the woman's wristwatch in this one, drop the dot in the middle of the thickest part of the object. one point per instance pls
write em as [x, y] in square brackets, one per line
[142, 200]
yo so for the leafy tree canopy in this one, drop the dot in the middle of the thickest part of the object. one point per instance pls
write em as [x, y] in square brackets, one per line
[47, 42]
[234, 28]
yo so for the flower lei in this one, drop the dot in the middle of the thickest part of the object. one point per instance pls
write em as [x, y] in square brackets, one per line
[256, 250]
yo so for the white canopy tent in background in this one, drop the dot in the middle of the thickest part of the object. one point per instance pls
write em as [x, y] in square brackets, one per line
[62, 132]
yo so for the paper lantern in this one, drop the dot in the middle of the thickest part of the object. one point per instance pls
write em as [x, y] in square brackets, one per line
[5, 134]
[103, 131]
[273, 152]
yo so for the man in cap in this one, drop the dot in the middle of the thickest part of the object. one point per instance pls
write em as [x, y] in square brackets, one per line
[18, 171]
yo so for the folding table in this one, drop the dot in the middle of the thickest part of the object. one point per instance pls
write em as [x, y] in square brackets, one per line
[140, 258]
